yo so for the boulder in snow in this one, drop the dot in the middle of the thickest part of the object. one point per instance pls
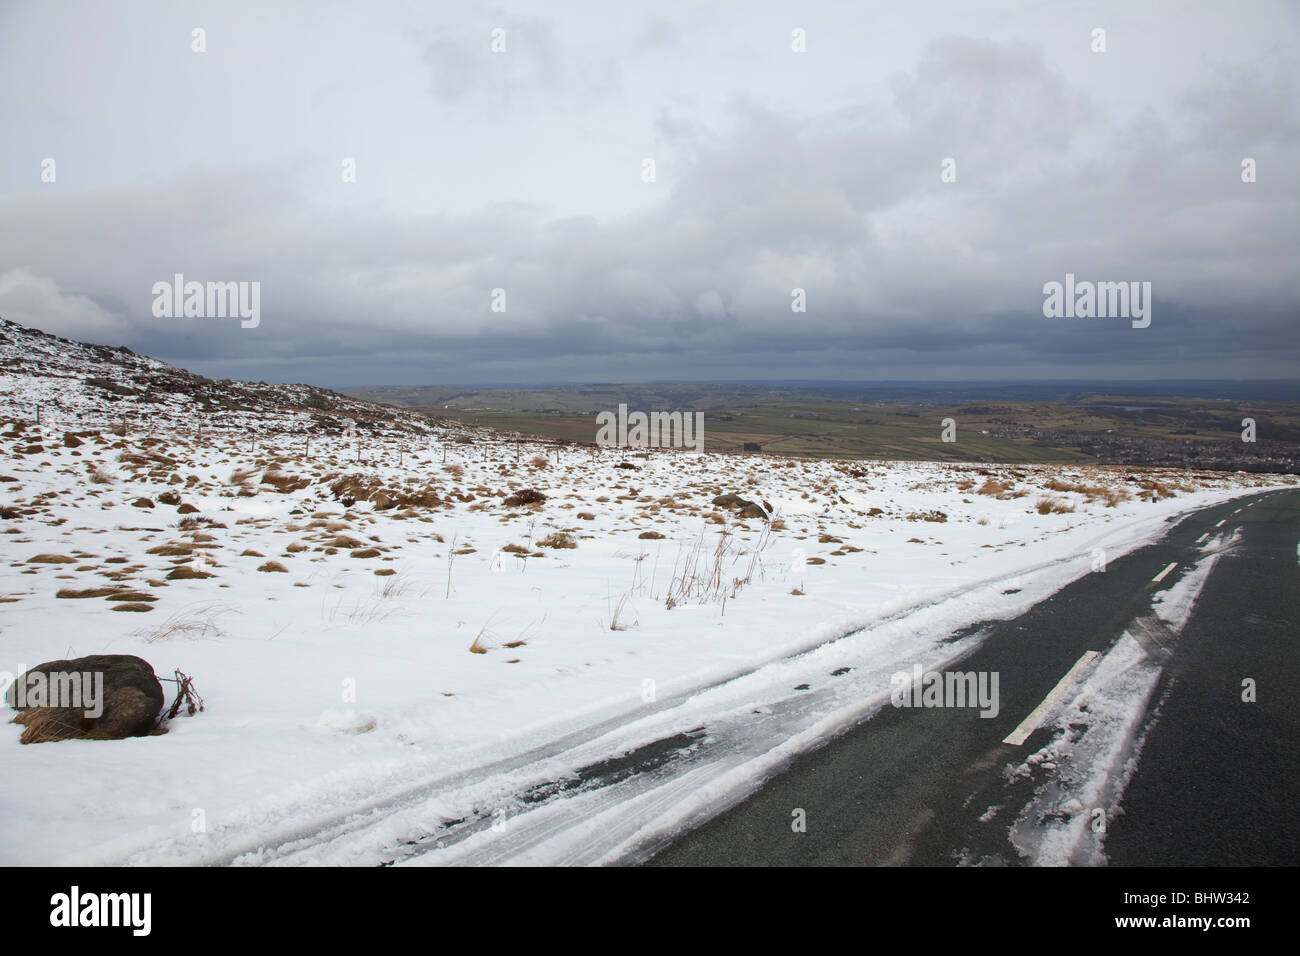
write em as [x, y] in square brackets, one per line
[100, 697]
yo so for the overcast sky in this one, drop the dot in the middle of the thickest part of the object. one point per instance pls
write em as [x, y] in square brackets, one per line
[524, 170]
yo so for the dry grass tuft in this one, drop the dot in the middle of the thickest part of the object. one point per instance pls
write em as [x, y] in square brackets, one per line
[1112, 496]
[87, 593]
[191, 522]
[616, 622]
[525, 496]
[396, 585]
[1048, 505]
[185, 572]
[1115, 495]
[133, 597]
[243, 477]
[197, 622]
[172, 549]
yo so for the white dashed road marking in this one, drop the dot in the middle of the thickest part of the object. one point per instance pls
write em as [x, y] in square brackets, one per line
[1030, 723]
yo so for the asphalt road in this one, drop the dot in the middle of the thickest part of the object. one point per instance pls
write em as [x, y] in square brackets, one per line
[1218, 779]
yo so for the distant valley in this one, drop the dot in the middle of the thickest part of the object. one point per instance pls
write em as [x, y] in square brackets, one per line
[905, 421]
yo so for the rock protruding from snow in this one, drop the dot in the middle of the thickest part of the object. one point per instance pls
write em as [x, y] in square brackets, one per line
[100, 697]
[743, 507]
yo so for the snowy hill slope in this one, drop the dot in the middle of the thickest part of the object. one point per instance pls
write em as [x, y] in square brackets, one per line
[77, 385]
[365, 608]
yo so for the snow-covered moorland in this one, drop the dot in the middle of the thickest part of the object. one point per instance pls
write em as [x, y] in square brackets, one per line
[369, 610]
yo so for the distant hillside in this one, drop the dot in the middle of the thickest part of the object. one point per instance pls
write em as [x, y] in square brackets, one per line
[90, 386]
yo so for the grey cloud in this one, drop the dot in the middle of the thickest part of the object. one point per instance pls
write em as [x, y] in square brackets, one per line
[538, 64]
[902, 271]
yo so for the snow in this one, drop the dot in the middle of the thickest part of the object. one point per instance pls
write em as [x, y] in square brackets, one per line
[348, 711]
